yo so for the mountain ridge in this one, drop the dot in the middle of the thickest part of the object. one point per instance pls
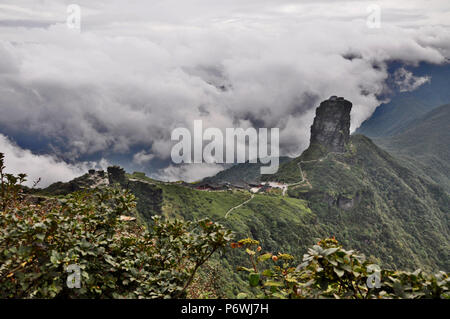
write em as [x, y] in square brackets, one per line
[424, 144]
[392, 117]
[365, 197]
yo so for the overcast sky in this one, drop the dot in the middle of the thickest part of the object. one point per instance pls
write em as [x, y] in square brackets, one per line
[138, 69]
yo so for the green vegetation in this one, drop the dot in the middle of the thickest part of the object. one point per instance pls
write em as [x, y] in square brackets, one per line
[423, 145]
[330, 271]
[366, 198]
[123, 253]
[372, 202]
[97, 231]
[243, 172]
[280, 222]
[289, 173]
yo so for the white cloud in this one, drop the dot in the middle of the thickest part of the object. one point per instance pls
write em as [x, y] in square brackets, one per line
[142, 157]
[407, 82]
[188, 173]
[139, 69]
[44, 167]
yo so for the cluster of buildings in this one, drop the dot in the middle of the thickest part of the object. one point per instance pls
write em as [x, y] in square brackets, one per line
[252, 187]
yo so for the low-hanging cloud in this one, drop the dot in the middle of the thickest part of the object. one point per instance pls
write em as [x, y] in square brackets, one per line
[407, 82]
[188, 172]
[44, 169]
[142, 157]
[138, 70]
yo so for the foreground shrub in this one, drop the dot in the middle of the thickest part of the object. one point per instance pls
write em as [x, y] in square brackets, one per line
[330, 271]
[97, 231]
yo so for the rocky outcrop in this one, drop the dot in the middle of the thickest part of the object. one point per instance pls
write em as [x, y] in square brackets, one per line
[331, 127]
[93, 179]
[116, 174]
[346, 202]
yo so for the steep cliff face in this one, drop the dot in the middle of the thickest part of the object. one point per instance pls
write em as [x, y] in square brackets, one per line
[116, 174]
[330, 133]
[331, 127]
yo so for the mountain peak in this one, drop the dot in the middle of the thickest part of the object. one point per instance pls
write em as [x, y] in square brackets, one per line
[331, 127]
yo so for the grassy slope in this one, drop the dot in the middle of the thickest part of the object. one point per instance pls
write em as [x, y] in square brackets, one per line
[289, 172]
[280, 223]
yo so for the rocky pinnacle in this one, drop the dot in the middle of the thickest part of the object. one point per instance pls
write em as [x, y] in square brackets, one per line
[331, 127]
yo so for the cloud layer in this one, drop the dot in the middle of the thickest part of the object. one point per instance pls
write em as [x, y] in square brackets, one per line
[43, 168]
[139, 69]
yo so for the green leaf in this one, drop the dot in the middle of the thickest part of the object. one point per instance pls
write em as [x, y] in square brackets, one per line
[265, 257]
[329, 251]
[253, 278]
[373, 267]
[242, 295]
[273, 284]
[279, 295]
[268, 273]
[338, 271]
[333, 262]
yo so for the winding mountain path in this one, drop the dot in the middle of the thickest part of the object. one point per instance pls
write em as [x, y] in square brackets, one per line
[235, 207]
[299, 164]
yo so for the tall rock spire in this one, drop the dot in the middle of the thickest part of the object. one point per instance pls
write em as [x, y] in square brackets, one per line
[331, 127]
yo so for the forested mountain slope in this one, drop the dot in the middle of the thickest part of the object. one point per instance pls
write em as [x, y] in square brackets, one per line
[425, 143]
